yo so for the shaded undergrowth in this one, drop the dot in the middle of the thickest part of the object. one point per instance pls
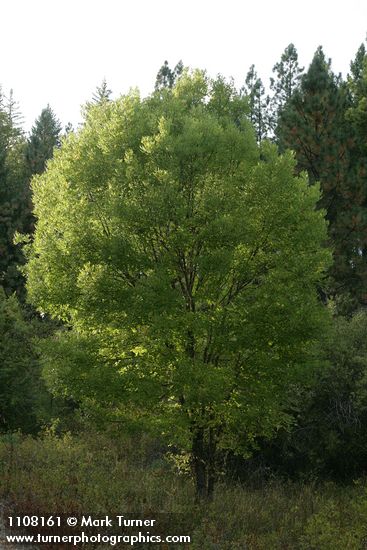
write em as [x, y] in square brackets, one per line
[98, 475]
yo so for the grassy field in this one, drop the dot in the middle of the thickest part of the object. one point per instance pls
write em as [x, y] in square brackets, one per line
[94, 475]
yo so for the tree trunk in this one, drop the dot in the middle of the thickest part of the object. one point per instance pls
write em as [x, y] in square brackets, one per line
[211, 464]
[198, 461]
[203, 462]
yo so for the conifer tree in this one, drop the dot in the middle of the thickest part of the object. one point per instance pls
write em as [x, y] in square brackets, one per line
[310, 117]
[287, 80]
[45, 136]
[315, 125]
[102, 93]
[357, 65]
[19, 160]
[14, 115]
[167, 77]
[14, 200]
[20, 382]
[258, 103]
[355, 192]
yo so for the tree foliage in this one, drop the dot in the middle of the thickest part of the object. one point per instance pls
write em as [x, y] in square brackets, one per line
[258, 104]
[166, 77]
[287, 80]
[20, 386]
[354, 228]
[315, 125]
[45, 136]
[14, 195]
[185, 265]
[329, 436]
[102, 93]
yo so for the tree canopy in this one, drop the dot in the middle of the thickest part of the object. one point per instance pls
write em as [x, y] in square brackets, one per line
[45, 136]
[185, 264]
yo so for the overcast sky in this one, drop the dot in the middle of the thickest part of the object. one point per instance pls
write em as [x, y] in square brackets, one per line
[57, 52]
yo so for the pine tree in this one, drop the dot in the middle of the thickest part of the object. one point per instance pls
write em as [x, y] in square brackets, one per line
[14, 115]
[14, 198]
[309, 118]
[355, 192]
[36, 151]
[313, 123]
[45, 136]
[167, 77]
[258, 103]
[288, 75]
[357, 65]
[102, 93]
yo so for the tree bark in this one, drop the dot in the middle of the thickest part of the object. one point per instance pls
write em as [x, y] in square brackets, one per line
[203, 462]
[199, 466]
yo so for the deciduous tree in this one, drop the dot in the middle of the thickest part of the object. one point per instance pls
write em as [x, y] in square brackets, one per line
[186, 266]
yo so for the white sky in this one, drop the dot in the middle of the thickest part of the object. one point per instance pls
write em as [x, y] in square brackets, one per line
[58, 51]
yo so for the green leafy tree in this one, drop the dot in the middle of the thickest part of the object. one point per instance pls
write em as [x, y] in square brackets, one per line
[186, 267]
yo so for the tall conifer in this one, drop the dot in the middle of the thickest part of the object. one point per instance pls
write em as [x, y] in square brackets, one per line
[166, 77]
[45, 136]
[313, 123]
[287, 80]
[258, 103]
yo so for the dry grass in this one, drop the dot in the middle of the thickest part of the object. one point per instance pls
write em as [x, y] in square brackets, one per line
[96, 475]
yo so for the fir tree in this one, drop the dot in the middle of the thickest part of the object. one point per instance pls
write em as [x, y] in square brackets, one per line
[45, 136]
[14, 200]
[102, 93]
